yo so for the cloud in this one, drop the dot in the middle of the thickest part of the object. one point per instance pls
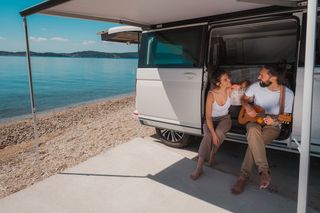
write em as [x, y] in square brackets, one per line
[104, 42]
[108, 42]
[88, 42]
[2, 38]
[58, 39]
[38, 39]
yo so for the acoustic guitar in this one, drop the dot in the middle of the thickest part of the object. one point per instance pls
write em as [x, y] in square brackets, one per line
[244, 118]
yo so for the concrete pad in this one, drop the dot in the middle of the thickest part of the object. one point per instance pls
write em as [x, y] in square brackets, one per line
[284, 168]
[141, 176]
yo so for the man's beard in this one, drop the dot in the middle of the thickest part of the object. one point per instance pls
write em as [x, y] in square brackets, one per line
[265, 84]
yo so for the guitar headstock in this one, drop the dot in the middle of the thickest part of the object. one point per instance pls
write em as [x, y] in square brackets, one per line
[285, 118]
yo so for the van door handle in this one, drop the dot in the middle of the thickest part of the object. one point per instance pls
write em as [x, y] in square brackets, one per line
[189, 75]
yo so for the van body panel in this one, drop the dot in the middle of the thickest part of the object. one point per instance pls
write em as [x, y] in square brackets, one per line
[170, 96]
[297, 115]
[164, 124]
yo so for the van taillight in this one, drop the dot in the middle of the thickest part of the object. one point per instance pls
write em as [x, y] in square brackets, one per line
[135, 88]
[135, 112]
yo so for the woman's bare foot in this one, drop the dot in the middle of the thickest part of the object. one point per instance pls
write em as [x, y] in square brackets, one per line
[264, 179]
[196, 174]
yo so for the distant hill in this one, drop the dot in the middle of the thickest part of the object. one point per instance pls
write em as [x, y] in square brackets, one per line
[82, 54]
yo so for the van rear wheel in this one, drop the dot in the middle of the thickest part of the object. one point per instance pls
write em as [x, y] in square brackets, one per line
[173, 138]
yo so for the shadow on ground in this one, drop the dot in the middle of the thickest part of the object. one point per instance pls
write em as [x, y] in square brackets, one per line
[284, 171]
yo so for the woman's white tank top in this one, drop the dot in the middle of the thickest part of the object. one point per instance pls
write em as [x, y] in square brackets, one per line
[218, 110]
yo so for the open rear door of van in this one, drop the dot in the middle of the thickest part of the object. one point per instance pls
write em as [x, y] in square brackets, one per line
[122, 34]
[170, 78]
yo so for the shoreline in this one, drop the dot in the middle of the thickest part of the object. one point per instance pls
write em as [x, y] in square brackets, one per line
[66, 138]
[53, 110]
[16, 131]
[66, 57]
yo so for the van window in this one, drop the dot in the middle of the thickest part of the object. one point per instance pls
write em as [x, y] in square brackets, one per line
[303, 43]
[254, 44]
[172, 48]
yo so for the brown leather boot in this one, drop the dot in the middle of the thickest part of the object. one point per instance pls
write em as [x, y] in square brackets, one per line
[239, 185]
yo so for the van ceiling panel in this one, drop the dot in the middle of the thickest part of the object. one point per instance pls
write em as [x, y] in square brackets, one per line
[142, 12]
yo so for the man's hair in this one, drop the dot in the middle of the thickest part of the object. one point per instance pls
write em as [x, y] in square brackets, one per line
[277, 70]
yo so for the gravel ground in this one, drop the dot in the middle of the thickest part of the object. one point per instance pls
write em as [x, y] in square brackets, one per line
[66, 138]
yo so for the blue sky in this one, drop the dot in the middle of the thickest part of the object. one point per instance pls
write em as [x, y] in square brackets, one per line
[52, 33]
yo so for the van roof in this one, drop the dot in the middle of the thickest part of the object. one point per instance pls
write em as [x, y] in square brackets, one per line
[142, 13]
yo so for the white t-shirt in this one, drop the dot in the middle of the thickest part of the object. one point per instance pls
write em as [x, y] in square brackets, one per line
[269, 100]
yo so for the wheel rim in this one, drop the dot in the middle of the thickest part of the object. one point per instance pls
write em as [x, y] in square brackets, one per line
[171, 136]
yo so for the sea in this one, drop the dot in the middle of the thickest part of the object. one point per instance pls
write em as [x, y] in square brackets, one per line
[61, 82]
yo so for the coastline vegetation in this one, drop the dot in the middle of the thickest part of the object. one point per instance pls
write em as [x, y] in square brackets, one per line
[81, 54]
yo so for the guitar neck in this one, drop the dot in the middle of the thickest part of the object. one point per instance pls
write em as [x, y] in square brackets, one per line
[244, 117]
[264, 115]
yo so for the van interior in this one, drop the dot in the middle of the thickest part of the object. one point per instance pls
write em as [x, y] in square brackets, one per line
[243, 48]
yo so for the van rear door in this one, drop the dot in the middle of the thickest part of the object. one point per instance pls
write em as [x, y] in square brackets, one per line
[169, 78]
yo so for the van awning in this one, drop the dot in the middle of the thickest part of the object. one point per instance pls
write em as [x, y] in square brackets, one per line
[142, 13]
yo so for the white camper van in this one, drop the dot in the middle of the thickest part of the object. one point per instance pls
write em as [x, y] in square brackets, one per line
[172, 77]
[179, 39]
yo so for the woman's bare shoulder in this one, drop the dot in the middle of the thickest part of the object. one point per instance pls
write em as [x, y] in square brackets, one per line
[213, 91]
[211, 94]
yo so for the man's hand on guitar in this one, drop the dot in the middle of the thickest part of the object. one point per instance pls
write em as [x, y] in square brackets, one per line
[269, 121]
[251, 112]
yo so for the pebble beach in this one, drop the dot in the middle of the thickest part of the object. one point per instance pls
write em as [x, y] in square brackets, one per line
[66, 138]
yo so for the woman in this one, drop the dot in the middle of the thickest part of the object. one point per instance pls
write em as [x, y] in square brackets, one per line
[218, 120]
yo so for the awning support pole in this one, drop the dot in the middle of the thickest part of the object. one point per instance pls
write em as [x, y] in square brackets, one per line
[33, 107]
[307, 107]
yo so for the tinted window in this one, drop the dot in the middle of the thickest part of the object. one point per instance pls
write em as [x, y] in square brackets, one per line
[303, 42]
[172, 48]
[254, 43]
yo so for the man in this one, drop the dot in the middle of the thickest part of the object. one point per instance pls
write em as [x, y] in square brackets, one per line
[266, 94]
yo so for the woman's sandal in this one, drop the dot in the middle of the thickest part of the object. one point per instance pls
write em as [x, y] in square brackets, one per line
[196, 174]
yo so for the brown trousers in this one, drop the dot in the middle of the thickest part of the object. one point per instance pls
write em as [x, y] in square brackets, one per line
[258, 137]
[221, 126]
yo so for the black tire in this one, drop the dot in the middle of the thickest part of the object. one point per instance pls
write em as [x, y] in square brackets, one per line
[173, 138]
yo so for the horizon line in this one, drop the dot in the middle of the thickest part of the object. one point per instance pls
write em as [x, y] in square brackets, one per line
[66, 52]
